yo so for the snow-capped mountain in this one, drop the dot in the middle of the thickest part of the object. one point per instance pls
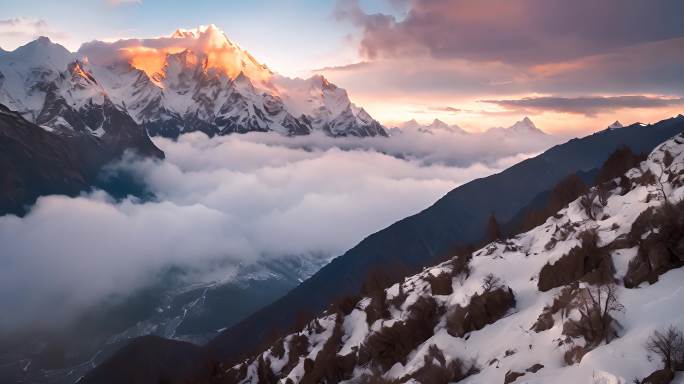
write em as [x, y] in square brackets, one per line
[435, 126]
[573, 300]
[193, 80]
[615, 125]
[522, 127]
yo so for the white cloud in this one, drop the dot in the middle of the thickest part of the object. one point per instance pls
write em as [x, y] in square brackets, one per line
[20, 30]
[224, 201]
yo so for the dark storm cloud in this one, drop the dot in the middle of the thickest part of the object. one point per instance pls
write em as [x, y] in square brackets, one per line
[589, 105]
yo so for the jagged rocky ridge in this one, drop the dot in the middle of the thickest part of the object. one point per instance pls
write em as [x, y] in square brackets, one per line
[512, 311]
[189, 91]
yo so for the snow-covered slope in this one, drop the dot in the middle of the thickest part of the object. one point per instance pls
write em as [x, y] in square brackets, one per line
[511, 311]
[193, 80]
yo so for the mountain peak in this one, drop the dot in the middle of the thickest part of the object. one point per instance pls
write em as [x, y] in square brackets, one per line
[615, 125]
[437, 123]
[206, 44]
[525, 125]
[43, 40]
[41, 52]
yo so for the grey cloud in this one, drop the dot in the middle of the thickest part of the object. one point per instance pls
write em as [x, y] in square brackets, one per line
[587, 105]
[23, 29]
[522, 31]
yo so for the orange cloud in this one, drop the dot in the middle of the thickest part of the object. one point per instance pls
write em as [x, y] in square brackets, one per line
[206, 45]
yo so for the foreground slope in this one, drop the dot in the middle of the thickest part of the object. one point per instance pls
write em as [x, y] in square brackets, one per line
[457, 218]
[514, 310]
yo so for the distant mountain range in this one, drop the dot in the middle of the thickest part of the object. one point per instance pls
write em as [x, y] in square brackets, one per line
[523, 128]
[201, 82]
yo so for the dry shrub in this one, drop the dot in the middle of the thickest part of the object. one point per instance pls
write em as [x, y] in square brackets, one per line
[668, 344]
[618, 163]
[378, 279]
[575, 354]
[589, 204]
[381, 277]
[646, 178]
[587, 261]
[264, 373]
[596, 306]
[398, 300]
[278, 349]
[437, 370]
[561, 302]
[659, 235]
[482, 310]
[378, 308]
[297, 347]
[491, 283]
[440, 284]
[392, 344]
[661, 376]
[328, 367]
[345, 304]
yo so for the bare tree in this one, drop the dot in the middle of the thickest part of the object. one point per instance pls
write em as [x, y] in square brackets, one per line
[669, 345]
[595, 304]
[491, 283]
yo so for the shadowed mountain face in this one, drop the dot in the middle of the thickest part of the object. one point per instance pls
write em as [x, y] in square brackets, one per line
[457, 218]
[35, 162]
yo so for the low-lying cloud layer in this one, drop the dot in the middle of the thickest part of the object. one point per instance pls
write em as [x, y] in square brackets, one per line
[226, 201]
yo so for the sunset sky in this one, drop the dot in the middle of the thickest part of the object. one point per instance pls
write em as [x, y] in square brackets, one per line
[572, 66]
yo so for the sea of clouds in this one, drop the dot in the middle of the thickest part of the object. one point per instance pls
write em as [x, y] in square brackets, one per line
[229, 201]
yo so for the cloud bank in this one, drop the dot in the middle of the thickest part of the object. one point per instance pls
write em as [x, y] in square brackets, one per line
[527, 31]
[225, 202]
[588, 106]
